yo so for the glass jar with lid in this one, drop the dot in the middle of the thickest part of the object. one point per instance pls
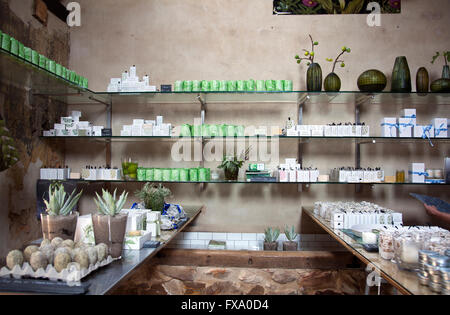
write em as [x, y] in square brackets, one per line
[407, 251]
[386, 244]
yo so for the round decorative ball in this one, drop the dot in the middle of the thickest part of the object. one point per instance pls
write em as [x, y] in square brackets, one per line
[45, 242]
[92, 253]
[102, 251]
[38, 260]
[82, 258]
[49, 252]
[14, 258]
[73, 266]
[61, 261]
[56, 242]
[440, 86]
[29, 251]
[372, 81]
[63, 250]
[68, 243]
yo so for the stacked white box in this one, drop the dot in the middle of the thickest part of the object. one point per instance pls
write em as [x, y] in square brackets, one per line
[440, 127]
[417, 172]
[389, 127]
[405, 128]
[424, 131]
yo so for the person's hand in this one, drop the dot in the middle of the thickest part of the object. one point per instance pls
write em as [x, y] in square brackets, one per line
[432, 210]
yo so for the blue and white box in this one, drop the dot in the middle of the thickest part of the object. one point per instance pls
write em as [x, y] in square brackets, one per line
[417, 173]
[410, 113]
[440, 127]
[389, 127]
[405, 128]
[425, 132]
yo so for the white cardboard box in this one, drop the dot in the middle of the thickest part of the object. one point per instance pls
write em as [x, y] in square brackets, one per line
[416, 172]
[440, 127]
[410, 113]
[389, 127]
[405, 128]
[419, 131]
[136, 242]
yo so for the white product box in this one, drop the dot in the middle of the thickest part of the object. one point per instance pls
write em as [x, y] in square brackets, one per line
[337, 217]
[75, 114]
[343, 175]
[410, 113]
[260, 167]
[62, 132]
[49, 133]
[356, 131]
[379, 176]
[405, 128]
[136, 131]
[440, 127]
[417, 172]
[314, 176]
[154, 216]
[136, 242]
[159, 120]
[113, 88]
[84, 124]
[84, 132]
[283, 176]
[59, 126]
[43, 173]
[135, 221]
[368, 177]
[303, 176]
[125, 133]
[328, 131]
[128, 128]
[138, 122]
[166, 130]
[84, 232]
[61, 174]
[397, 218]
[150, 122]
[317, 130]
[389, 127]
[154, 228]
[116, 174]
[67, 120]
[115, 81]
[304, 131]
[73, 132]
[424, 131]
[292, 132]
[292, 175]
[365, 131]
[338, 225]
[147, 130]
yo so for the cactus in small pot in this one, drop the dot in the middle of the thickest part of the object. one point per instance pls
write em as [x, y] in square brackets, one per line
[109, 223]
[270, 238]
[60, 220]
[153, 196]
[290, 244]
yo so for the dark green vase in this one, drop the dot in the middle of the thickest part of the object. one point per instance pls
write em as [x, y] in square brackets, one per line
[372, 81]
[440, 85]
[314, 78]
[422, 80]
[446, 72]
[332, 83]
[401, 76]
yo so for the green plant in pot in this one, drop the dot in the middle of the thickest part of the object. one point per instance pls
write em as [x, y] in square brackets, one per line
[332, 82]
[290, 244]
[153, 196]
[232, 164]
[59, 219]
[314, 73]
[270, 238]
[109, 223]
[442, 84]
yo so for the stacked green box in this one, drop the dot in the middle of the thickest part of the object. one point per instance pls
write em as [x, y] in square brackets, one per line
[58, 69]
[197, 131]
[35, 57]
[184, 175]
[196, 86]
[6, 42]
[260, 85]
[149, 174]
[21, 50]
[231, 131]
[223, 86]
[202, 175]
[157, 175]
[240, 131]
[288, 85]
[213, 130]
[175, 175]
[204, 86]
[141, 174]
[187, 86]
[186, 130]
[193, 175]
[42, 61]
[14, 46]
[27, 54]
[279, 86]
[166, 175]
[270, 85]
[250, 85]
[214, 86]
[178, 86]
[240, 85]
[231, 86]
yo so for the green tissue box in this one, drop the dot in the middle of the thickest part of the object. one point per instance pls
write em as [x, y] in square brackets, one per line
[166, 175]
[27, 54]
[175, 175]
[202, 175]
[288, 85]
[149, 174]
[58, 69]
[223, 86]
[270, 85]
[14, 46]
[157, 175]
[35, 57]
[187, 86]
[279, 86]
[141, 174]
[196, 86]
[184, 175]
[178, 86]
[250, 85]
[214, 86]
[51, 66]
[204, 86]
[42, 61]
[193, 175]
[260, 85]
[21, 50]
[240, 85]
[231, 86]
[6, 42]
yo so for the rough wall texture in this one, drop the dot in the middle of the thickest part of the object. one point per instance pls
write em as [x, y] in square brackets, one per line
[234, 39]
[189, 280]
[26, 117]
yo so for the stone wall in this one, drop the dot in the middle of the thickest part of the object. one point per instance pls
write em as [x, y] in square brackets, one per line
[26, 117]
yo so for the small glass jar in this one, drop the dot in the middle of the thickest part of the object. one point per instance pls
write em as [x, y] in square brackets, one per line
[407, 251]
[386, 244]
[400, 176]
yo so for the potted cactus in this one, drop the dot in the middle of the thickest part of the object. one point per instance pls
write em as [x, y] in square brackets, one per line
[59, 219]
[232, 164]
[153, 196]
[270, 238]
[290, 244]
[109, 225]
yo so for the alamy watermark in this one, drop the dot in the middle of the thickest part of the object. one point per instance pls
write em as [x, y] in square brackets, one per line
[374, 18]
[74, 17]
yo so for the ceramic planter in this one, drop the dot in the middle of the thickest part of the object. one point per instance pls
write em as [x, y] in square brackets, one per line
[290, 246]
[110, 231]
[270, 246]
[314, 78]
[63, 226]
[231, 174]
[372, 81]
[422, 80]
[441, 85]
[401, 76]
[332, 83]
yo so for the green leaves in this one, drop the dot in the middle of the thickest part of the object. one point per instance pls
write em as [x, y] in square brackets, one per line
[107, 204]
[445, 54]
[151, 194]
[290, 233]
[355, 6]
[327, 5]
[57, 203]
[271, 235]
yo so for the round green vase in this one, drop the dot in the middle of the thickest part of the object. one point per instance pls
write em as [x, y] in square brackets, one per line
[314, 78]
[401, 76]
[372, 81]
[440, 86]
[332, 83]
[446, 72]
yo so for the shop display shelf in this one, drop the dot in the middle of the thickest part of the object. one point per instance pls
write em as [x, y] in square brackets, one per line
[404, 281]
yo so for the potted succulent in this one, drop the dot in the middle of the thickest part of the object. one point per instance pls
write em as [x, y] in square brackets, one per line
[232, 164]
[314, 73]
[153, 196]
[442, 84]
[59, 219]
[332, 82]
[270, 238]
[109, 225]
[290, 244]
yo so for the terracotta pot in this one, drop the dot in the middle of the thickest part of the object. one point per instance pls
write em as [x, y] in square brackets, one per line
[290, 246]
[231, 175]
[270, 246]
[111, 231]
[62, 226]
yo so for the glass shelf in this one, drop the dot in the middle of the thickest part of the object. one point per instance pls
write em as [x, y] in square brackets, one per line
[361, 140]
[21, 73]
[241, 181]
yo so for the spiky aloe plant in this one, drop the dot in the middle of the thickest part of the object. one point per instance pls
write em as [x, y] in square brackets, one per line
[290, 233]
[271, 235]
[107, 204]
[57, 203]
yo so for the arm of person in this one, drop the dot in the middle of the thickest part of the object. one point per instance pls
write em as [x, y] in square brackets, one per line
[433, 211]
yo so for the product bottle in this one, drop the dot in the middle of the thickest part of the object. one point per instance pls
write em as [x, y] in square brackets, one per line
[289, 124]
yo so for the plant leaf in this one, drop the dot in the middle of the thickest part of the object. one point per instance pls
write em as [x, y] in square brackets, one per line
[355, 6]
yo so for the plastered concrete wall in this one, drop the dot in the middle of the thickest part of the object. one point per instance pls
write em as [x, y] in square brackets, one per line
[234, 39]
